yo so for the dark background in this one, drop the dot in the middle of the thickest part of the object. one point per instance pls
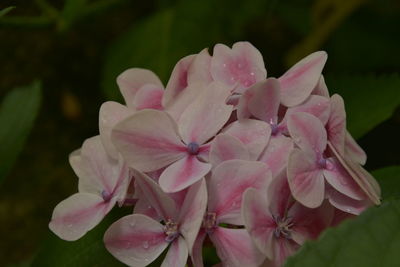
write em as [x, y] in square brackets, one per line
[77, 53]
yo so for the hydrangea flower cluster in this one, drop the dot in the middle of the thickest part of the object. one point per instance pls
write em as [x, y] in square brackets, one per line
[223, 155]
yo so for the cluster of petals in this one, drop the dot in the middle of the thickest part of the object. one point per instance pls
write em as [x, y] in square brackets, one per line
[222, 156]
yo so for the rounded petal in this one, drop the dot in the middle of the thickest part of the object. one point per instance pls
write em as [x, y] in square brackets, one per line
[203, 118]
[148, 140]
[308, 133]
[226, 147]
[177, 254]
[183, 173]
[243, 111]
[199, 70]
[306, 180]
[336, 127]
[131, 80]
[73, 217]
[321, 88]
[279, 195]
[149, 96]
[346, 204]
[228, 182]
[135, 240]
[353, 150]
[197, 251]
[235, 248]
[299, 81]
[254, 134]
[110, 114]
[242, 65]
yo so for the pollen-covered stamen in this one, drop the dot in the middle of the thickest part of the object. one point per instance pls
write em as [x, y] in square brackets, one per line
[283, 226]
[106, 195]
[210, 222]
[171, 230]
[193, 148]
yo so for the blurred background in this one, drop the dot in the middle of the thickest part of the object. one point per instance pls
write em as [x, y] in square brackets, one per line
[63, 56]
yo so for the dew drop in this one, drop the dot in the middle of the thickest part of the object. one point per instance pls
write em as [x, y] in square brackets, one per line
[132, 224]
[145, 244]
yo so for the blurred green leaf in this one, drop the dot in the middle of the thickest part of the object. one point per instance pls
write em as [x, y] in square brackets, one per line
[17, 113]
[369, 99]
[72, 8]
[6, 10]
[370, 240]
[389, 180]
[160, 40]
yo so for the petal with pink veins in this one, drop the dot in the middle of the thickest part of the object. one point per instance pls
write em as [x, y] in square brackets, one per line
[178, 80]
[143, 207]
[242, 108]
[308, 133]
[277, 153]
[203, 118]
[199, 70]
[299, 81]
[149, 96]
[235, 248]
[131, 80]
[110, 114]
[254, 134]
[265, 102]
[225, 147]
[321, 88]
[228, 182]
[78, 214]
[197, 251]
[148, 140]
[242, 65]
[353, 150]
[340, 180]
[177, 254]
[258, 221]
[283, 249]
[279, 195]
[183, 173]
[346, 204]
[192, 212]
[336, 127]
[152, 192]
[306, 179]
[135, 240]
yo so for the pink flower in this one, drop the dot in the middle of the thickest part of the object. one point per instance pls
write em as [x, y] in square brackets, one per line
[137, 239]
[102, 182]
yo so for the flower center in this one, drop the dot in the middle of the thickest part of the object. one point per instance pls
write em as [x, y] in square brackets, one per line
[210, 222]
[322, 163]
[171, 230]
[106, 196]
[283, 226]
[193, 148]
[274, 129]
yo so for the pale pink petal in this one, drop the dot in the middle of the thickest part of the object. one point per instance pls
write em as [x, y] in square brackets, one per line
[110, 114]
[228, 182]
[336, 127]
[148, 140]
[265, 102]
[183, 173]
[308, 133]
[258, 220]
[197, 251]
[321, 88]
[199, 70]
[353, 150]
[305, 179]
[277, 153]
[243, 111]
[178, 80]
[204, 152]
[143, 207]
[131, 80]
[177, 254]
[340, 180]
[365, 180]
[78, 214]
[347, 204]
[309, 223]
[254, 134]
[279, 195]
[283, 248]
[235, 248]
[242, 65]
[192, 212]
[318, 106]
[135, 240]
[299, 81]
[149, 96]
[152, 192]
[205, 117]
[225, 147]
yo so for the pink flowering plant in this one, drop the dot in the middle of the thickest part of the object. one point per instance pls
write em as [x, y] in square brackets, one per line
[224, 156]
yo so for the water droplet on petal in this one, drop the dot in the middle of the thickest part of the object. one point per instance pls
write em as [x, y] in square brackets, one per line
[132, 224]
[145, 244]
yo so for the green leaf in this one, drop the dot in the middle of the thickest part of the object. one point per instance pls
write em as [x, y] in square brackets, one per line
[71, 11]
[17, 113]
[370, 240]
[389, 180]
[160, 40]
[369, 100]
[6, 10]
